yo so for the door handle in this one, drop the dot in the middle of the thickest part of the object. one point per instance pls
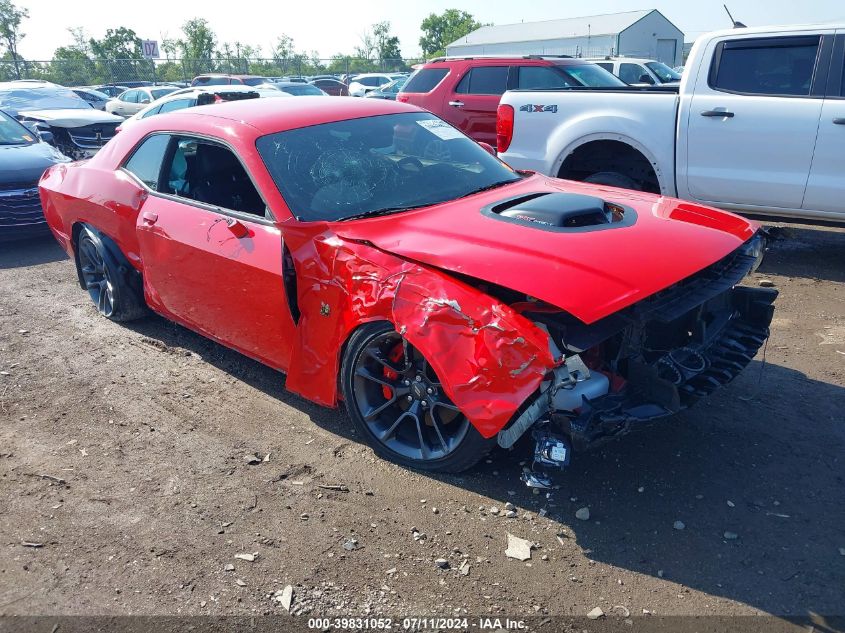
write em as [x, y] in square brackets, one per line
[839, 121]
[149, 217]
[456, 104]
[718, 113]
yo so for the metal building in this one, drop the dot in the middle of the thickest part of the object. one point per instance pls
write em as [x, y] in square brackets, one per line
[633, 33]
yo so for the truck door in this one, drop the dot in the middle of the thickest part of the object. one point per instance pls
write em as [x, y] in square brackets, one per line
[826, 186]
[752, 120]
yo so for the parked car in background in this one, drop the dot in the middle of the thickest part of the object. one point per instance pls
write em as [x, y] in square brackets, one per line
[333, 87]
[136, 99]
[360, 85]
[23, 158]
[75, 128]
[757, 125]
[200, 95]
[388, 91]
[110, 89]
[137, 84]
[94, 98]
[465, 91]
[639, 72]
[221, 79]
[448, 301]
[298, 89]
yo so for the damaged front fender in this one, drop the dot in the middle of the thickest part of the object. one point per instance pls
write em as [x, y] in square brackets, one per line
[488, 358]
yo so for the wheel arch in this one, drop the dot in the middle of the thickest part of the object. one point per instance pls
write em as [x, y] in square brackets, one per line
[598, 142]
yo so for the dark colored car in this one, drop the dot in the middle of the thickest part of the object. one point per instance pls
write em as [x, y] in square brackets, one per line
[389, 91]
[333, 87]
[94, 98]
[77, 129]
[23, 158]
[221, 79]
[111, 90]
[298, 89]
[381, 258]
[465, 91]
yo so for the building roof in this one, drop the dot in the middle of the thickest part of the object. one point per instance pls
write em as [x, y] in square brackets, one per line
[606, 24]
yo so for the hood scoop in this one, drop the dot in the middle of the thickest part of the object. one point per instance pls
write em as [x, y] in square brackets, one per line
[562, 212]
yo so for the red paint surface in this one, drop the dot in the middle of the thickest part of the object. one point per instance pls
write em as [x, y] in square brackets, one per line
[396, 268]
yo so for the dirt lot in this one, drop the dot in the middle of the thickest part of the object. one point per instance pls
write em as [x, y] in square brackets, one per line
[143, 430]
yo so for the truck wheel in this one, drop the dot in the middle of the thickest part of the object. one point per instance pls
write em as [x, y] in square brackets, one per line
[398, 405]
[613, 179]
[107, 279]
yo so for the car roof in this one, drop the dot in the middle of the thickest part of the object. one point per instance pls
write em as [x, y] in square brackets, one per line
[482, 60]
[277, 115]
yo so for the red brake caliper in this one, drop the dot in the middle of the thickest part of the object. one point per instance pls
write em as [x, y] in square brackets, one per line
[395, 355]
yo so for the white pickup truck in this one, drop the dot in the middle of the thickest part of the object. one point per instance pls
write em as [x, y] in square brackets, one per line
[756, 125]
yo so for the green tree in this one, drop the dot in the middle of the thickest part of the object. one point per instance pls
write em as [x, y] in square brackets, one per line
[387, 45]
[119, 43]
[119, 56]
[197, 46]
[11, 17]
[72, 65]
[441, 30]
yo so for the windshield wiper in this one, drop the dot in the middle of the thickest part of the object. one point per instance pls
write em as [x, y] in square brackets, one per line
[495, 185]
[385, 211]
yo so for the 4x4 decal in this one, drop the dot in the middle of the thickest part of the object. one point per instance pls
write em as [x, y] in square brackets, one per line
[530, 107]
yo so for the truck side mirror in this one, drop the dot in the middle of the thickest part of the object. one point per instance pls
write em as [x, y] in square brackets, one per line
[646, 79]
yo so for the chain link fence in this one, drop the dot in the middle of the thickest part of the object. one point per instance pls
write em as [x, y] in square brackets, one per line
[87, 72]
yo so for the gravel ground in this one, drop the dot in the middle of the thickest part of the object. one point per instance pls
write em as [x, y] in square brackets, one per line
[123, 457]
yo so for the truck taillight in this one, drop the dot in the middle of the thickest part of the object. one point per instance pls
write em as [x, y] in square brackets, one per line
[504, 127]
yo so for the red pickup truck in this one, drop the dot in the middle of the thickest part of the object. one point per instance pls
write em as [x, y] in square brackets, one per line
[465, 91]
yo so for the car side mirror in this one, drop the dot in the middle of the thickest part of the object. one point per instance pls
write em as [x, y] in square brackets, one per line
[487, 148]
[145, 100]
[646, 79]
[46, 137]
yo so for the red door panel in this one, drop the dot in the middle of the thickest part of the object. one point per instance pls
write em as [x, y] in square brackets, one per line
[200, 273]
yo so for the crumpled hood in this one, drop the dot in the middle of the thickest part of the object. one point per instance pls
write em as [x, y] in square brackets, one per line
[589, 274]
[71, 117]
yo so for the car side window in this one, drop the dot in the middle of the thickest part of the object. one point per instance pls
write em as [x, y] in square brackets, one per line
[774, 66]
[631, 73]
[210, 173]
[541, 77]
[151, 112]
[176, 104]
[607, 66]
[484, 80]
[145, 161]
[130, 96]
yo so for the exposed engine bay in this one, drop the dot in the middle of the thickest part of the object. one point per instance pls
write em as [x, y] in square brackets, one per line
[649, 361]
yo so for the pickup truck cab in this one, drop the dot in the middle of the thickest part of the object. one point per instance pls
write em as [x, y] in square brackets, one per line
[757, 125]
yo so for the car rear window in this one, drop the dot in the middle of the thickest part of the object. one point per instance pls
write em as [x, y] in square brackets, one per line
[425, 80]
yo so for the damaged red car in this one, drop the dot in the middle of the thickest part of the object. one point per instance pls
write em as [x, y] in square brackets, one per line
[379, 257]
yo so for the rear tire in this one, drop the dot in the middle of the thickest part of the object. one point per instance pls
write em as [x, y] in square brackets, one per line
[613, 179]
[396, 402]
[107, 278]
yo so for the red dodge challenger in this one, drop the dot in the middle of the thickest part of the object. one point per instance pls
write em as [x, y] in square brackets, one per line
[378, 256]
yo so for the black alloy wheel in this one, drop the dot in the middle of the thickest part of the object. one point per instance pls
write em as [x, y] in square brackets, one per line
[397, 401]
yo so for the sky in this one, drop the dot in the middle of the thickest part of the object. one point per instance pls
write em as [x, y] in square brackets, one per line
[336, 26]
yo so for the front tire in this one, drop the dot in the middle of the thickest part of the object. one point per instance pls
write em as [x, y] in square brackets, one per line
[106, 278]
[398, 405]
